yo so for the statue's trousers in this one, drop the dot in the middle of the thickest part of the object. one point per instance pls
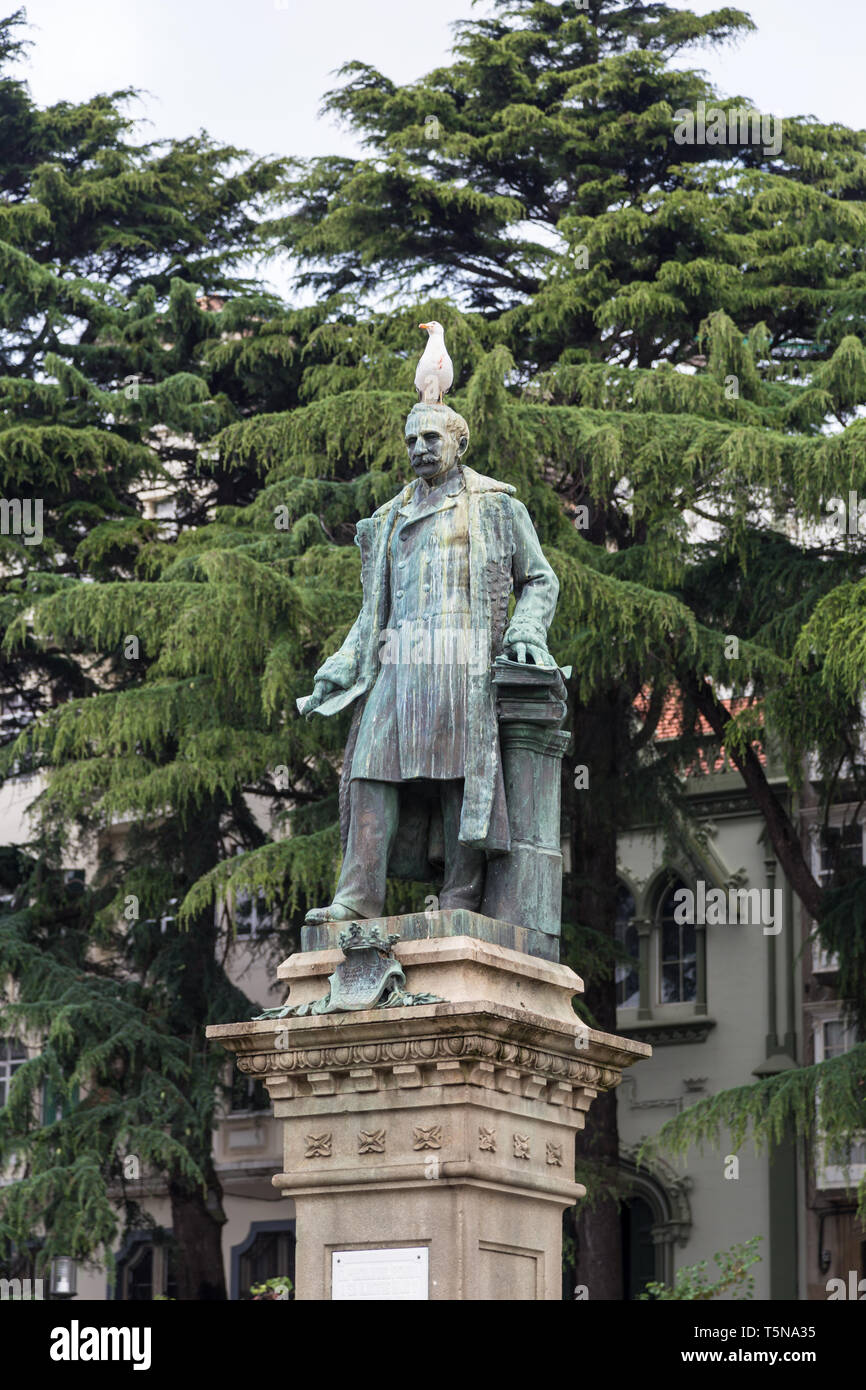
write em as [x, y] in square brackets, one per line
[375, 811]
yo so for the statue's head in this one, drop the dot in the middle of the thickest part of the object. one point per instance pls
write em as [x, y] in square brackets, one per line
[436, 437]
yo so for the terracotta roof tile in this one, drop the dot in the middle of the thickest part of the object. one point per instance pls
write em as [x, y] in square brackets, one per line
[670, 726]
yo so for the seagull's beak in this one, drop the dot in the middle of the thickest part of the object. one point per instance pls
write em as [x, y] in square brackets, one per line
[424, 325]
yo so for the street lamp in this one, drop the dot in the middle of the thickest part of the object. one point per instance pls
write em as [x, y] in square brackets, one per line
[64, 1276]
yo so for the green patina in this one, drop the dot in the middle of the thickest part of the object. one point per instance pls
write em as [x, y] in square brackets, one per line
[452, 766]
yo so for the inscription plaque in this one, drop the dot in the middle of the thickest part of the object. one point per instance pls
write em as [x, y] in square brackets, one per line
[381, 1275]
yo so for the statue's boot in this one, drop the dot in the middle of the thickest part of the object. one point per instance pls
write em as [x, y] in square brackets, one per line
[337, 912]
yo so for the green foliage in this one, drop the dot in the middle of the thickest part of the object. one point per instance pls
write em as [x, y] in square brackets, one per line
[662, 342]
[692, 1282]
[824, 1104]
[108, 1054]
[277, 1288]
[116, 258]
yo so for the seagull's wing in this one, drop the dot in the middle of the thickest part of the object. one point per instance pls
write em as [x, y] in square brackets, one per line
[426, 365]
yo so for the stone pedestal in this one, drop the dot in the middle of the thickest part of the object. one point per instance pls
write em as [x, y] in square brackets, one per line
[452, 921]
[445, 1131]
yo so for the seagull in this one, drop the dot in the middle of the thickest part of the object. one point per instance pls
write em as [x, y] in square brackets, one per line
[435, 371]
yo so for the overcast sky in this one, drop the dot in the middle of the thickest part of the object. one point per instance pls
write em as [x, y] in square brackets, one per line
[253, 72]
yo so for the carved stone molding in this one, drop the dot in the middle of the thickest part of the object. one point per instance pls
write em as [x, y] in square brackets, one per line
[669, 1034]
[521, 1146]
[371, 1141]
[318, 1145]
[420, 1054]
[427, 1137]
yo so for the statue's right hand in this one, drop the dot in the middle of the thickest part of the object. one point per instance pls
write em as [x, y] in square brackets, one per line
[321, 691]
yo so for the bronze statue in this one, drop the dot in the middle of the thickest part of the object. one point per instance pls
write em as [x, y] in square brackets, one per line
[423, 784]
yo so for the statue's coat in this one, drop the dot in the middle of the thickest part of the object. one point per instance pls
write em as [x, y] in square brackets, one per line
[504, 553]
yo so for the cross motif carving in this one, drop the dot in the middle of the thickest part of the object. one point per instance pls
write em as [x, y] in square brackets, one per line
[318, 1145]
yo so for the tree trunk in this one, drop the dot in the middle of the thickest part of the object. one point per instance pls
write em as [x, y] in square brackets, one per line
[598, 1265]
[197, 1220]
[197, 1211]
[592, 815]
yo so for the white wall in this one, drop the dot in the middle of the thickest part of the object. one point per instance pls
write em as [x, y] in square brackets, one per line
[724, 1210]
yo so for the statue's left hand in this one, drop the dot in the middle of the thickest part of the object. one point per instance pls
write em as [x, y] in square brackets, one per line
[321, 690]
[525, 651]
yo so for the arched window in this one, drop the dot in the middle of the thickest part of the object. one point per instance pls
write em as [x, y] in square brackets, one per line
[639, 1259]
[146, 1267]
[267, 1253]
[627, 972]
[661, 988]
[139, 1274]
[678, 967]
[656, 1217]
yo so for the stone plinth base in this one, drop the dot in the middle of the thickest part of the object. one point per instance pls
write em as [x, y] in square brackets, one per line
[448, 1128]
[457, 921]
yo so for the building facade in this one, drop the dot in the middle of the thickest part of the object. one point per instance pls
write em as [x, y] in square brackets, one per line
[739, 992]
